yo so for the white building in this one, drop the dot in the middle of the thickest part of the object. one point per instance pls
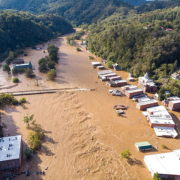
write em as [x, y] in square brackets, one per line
[10, 152]
[167, 165]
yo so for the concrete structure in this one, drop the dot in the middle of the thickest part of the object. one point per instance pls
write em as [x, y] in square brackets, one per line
[147, 84]
[165, 132]
[166, 164]
[18, 61]
[10, 152]
[23, 66]
[143, 146]
[145, 104]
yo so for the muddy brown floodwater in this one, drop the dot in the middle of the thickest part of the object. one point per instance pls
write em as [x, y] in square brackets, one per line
[83, 135]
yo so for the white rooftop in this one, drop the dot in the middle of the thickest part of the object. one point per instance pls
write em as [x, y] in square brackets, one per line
[104, 72]
[165, 131]
[156, 109]
[95, 63]
[147, 102]
[10, 147]
[160, 116]
[120, 81]
[175, 101]
[166, 163]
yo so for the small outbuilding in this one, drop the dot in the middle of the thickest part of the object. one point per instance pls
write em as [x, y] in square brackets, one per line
[141, 146]
[116, 67]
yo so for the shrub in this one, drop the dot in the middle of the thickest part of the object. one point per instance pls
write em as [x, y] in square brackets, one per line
[29, 73]
[14, 71]
[126, 154]
[51, 64]
[164, 147]
[14, 102]
[33, 47]
[15, 80]
[28, 153]
[156, 177]
[22, 100]
[6, 67]
[51, 74]
[7, 99]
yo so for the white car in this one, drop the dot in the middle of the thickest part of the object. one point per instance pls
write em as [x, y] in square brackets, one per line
[115, 92]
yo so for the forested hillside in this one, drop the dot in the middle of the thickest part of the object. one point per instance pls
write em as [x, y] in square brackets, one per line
[19, 30]
[77, 11]
[140, 43]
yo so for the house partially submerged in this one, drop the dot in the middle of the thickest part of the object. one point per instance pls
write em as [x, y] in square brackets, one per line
[18, 61]
[165, 164]
[165, 132]
[147, 84]
[115, 78]
[104, 72]
[141, 146]
[100, 67]
[105, 77]
[173, 103]
[104, 61]
[95, 64]
[10, 152]
[117, 83]
[145, 104]
[23, 66]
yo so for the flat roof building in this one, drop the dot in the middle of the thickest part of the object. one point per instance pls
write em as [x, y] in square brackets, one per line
[10, 152]
[165, 164]
[165, 132]
[145, 104]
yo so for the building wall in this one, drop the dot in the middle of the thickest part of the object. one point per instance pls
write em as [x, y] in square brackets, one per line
[161, 125]
[15, 163]
[142, 107]
[173, 106]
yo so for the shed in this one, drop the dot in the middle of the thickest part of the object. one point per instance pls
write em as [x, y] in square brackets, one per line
[143, 146]
[104, 61]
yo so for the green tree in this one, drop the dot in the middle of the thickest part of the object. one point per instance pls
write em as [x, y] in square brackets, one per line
[126, 154]
[51, 64]
[33, 141]
[6, 68]
[156, 177]
[42, 60]
[109, 64]
[28, 153]
[51, 74]
[43, 67]
[27, 120]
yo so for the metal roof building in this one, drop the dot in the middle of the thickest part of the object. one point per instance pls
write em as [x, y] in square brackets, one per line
[143, 146]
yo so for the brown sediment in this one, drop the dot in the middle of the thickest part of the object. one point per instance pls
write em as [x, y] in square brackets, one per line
[84, 136]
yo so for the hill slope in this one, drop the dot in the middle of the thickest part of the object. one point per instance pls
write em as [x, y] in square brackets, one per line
[19, 30]
[136, 47]
[78, 11]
